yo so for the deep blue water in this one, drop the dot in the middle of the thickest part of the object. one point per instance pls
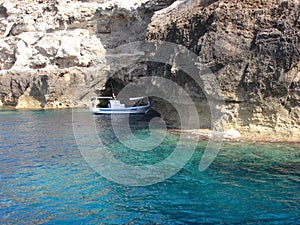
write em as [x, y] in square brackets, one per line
[44, 179]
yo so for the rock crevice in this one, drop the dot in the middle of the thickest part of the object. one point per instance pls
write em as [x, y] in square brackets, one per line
[53, 52]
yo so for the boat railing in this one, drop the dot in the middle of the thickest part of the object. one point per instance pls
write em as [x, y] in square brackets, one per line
[139, 101]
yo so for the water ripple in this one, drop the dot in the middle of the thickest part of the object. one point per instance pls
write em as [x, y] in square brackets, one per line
[44, 180]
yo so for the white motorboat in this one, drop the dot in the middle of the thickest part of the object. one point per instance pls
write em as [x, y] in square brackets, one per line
[109, 105]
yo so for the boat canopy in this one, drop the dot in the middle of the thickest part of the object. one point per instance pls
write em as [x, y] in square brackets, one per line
[137, 98]
[102, 97]
[109, 98]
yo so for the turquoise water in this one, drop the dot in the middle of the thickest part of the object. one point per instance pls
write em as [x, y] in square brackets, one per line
[45, 180]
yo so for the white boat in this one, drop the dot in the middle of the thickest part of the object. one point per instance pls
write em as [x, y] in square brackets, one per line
[109, 105]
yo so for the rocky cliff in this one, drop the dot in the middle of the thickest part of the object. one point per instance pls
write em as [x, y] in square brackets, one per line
[253, 49]
[53, 50]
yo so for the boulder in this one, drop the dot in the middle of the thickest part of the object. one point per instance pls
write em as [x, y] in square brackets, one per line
[28, 102]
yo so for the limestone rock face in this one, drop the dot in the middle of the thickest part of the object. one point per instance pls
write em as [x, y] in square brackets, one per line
[53, 50]
[55, 53]
[252, 48]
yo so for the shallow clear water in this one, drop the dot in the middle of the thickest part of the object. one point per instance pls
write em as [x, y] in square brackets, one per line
[45, 180]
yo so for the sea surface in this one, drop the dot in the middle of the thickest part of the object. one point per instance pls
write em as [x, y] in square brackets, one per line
[44, 178]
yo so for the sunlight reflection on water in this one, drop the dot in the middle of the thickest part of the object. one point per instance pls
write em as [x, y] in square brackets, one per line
[44, 179]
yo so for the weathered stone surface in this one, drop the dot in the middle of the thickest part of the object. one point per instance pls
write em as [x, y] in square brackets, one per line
[31, 38]
[7, 55]
[252, 47]
[28, 102]
[56, 53]
[48, 45]
[65, 41]
[46, 88]
[22, 54]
